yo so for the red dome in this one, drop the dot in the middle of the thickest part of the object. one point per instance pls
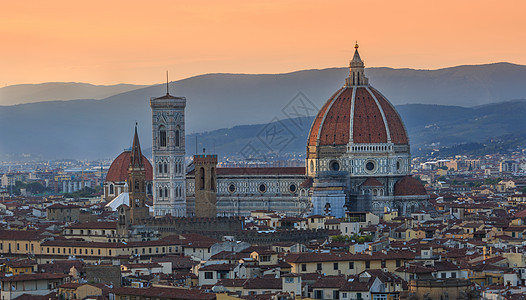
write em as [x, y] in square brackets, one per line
[373, 119]
[409, 186]
[119, 168]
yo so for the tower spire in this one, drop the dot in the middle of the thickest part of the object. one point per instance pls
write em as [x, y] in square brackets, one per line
[136, 154]
[167, 91]
[356, 70]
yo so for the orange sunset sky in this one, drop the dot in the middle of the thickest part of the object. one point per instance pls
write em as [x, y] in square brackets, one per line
[109, 42]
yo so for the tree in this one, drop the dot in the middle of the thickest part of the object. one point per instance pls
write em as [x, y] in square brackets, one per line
[84, 192]
[35, 188]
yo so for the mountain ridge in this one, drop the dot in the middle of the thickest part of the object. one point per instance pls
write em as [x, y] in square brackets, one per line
[102, 128]
[59, 91]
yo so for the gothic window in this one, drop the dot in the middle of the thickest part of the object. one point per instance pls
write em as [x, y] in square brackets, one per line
[165, 168]
[136, 188]
[160, 192]
[166, 193]
[177, 138]
[160, 169]
[212, 187]
[202, 178]
[162, 136]
[149, 189]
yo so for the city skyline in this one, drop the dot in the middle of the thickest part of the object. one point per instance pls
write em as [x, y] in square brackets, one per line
[117, 42]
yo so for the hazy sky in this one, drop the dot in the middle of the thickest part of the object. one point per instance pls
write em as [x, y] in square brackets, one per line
[108, 42]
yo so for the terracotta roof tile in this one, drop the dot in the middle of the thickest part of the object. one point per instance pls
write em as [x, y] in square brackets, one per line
[118, 171]
[372, 182]
[332, 124]
[408, 186]
[166, 293]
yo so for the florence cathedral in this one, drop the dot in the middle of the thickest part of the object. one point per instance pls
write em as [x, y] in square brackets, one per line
[358, 159]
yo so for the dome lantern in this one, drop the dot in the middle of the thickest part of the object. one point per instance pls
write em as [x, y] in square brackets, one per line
[356, 70]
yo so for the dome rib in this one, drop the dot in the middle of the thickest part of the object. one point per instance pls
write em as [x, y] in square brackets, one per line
[396, 126]
[357, 113]
[315, 129]
[387, 129]
[351, 119]
[335, 128]
[322, 120]
[369, 127]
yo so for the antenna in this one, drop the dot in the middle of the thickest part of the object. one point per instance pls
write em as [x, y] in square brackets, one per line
[196, 144]
[167, 93]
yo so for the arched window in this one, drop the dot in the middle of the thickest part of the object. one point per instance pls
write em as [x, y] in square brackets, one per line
[136, 189]
[112, 189]
[177, 138]
[160, 192]
[166, 192]
[162, 136]
[165, 168]
[149, 189]
[212, 187]
[160, 169]
[202, 178]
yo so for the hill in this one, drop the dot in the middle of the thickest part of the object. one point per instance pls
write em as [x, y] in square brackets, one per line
[102, 128]
[484, 129]
[52, 91]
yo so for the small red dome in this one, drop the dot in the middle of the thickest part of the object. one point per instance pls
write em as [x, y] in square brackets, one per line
[373, 119]
[409, 186]
[119, 168]
[372, 182]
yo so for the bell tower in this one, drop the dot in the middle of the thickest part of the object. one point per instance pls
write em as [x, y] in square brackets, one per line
[168, 149]
[136, 184]
[205, 186]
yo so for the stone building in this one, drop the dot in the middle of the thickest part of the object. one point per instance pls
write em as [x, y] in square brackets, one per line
[242, 190]
[358, 159]
[358, 153]
[168, 149]
[117, 177]
[135, 211]
[205, 185]
[63, 213]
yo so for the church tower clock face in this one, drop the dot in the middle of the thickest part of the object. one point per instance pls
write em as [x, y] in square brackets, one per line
[168, 151]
